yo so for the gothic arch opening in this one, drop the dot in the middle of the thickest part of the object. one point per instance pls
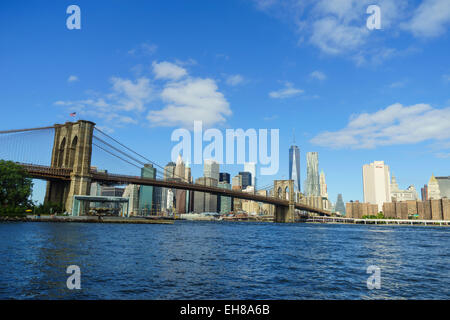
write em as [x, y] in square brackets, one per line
[62, 146]
[279, 193]
[72, 151]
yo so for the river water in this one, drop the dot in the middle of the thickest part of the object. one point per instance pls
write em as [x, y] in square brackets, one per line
[223, 260]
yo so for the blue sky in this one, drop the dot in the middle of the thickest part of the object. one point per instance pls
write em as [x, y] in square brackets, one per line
[140, 70]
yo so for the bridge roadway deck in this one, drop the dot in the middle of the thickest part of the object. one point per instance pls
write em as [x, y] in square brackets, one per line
[49, 173]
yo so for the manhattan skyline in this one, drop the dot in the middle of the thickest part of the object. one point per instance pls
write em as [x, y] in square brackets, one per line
[374, 95]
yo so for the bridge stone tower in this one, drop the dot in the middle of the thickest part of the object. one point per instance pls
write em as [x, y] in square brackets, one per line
[72, 149]
[284, 189]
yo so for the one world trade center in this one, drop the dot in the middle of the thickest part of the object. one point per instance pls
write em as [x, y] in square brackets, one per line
[294, 166]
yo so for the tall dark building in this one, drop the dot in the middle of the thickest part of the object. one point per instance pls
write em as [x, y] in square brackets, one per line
[224, 177]
[424, 192]
[294, 166]
[340, 206]
[246, 179]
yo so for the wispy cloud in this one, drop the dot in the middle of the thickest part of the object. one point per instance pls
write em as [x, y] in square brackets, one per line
[234, 80]
[394, 125]
[72, 78]
[397, 84]
[430, 19]
[338, 27]
[143, 49]
[287, 92]
[319, 75]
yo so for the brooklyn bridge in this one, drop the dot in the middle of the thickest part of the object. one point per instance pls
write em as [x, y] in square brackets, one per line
[69, 172]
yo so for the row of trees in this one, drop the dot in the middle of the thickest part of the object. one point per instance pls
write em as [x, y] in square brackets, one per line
[16, 188]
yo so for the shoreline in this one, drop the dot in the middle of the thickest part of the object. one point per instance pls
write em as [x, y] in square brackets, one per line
[85, 219]
[168, 220]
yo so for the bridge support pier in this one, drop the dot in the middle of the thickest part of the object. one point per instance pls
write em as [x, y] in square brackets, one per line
[72, 149]
[284, 214]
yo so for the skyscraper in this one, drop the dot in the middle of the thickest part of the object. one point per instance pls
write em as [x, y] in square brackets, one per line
[376, 183]
[323, 185]
[339, 207]
[169, 174]
[424, 192]
[312, 174]
[211, 169]
[294, 166]
[146, 192]
[224, 177]
[251, 167]
[180, 168]
[434, 192]
[246, 179]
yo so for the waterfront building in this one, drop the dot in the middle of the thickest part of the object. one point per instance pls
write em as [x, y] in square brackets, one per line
[434, 192]
[436, 209]
[323, 185]
[189, 194]
[424, 192]
[313, 201]
[251, 167]
[132, 193]
[444, 186]
[358, 209]
[294, 167]
[224, 177]
[169, 174]
[211, 169]
[376, 183]
[224, 203]
[246, 179]
[96, 189]
[203, 201]
[146, 192]
[111, 191]
[339, 206]
[312, 174]
[402, 195]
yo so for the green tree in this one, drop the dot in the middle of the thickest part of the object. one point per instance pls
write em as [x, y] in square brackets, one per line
[15, 186]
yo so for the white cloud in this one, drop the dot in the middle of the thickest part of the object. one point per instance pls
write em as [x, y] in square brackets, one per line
[234, 80]
[397, 84]
[446, 77]
[167, 70]
[334, 37]
[126, 100]
[319, 75]
[430, 19]
[394, 125]
[72, 78]
[189, 100]
[144, 49]
[184, 99]
[287, 92]
[129, 95]
[338, 27]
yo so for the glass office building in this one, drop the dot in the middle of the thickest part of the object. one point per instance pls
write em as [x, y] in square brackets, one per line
[294, 167]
